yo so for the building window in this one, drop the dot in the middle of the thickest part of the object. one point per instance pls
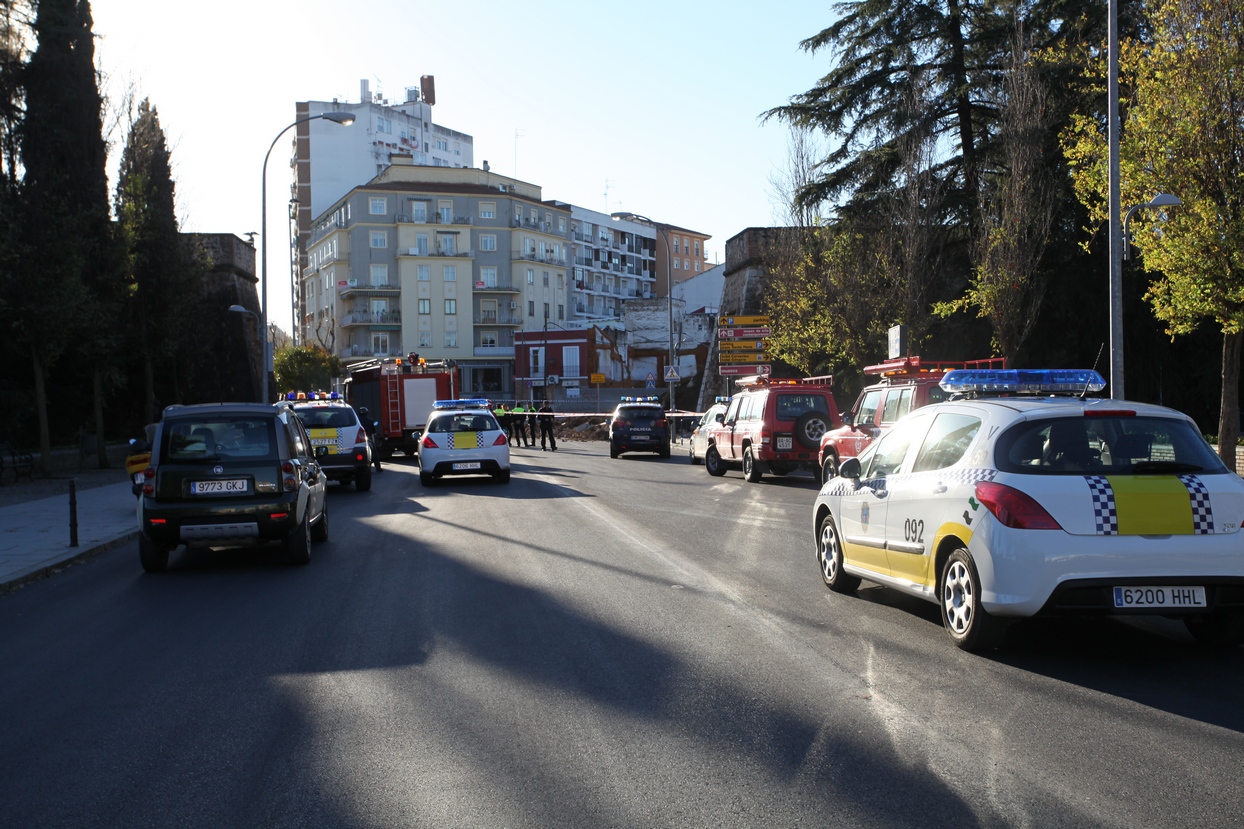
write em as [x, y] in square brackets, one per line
[488, 241]
[451, 339]
[425, 306]
[561, 224]
[448, 243]
[686, 265]
[546, 279]
[488, 210]
[546, 310]
[531, 277]
[379, 274]
[676, 261]
[488, 339]
[686, 244]
[676, 250]
[421, 244]
[378, 206]
[450, 273]
[531, 307]
[379, 239]
[697, 266]
[425, 339]
[446, 210]
[451, 306]
[488, 276]
[419, 211]
[380, 342]
[424, 273]
[697, 247]
[561, 312]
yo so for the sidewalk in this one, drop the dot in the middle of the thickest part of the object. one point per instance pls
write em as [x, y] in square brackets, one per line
[35, 534]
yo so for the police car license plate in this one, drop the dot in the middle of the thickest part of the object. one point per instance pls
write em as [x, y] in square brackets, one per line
[227, 486]
[323, 441]
[1175, 598]
[784, 443]
[466, 465]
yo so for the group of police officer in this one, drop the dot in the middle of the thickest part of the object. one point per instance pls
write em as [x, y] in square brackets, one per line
[521, 420]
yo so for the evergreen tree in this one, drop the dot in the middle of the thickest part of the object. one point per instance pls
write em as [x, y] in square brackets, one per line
[65, 219]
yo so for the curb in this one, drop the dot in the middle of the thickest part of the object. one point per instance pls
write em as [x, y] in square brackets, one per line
[43, 571]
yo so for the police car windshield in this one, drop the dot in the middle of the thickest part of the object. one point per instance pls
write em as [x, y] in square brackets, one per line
[1105, 445]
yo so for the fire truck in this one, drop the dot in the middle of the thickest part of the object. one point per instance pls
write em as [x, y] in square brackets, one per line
[904, 384]
[398, 392]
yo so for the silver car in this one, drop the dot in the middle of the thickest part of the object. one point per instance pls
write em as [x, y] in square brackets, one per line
[699, 435]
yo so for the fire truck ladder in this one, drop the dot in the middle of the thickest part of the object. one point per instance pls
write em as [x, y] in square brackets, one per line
[391, 389]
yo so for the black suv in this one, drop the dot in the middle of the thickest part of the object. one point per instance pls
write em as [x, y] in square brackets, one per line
[639, 424]
[334, 425]
[231, 475]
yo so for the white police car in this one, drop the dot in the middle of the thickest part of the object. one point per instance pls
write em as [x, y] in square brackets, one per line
[463, 438]
[1040, 502]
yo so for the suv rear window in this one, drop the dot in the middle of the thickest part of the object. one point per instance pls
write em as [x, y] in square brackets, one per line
[1105, 445]
[791, 406]
[217, 438]
[640, 413]
[326, 417]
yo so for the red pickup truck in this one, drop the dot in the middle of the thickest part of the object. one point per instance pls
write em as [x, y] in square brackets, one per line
[905, 384]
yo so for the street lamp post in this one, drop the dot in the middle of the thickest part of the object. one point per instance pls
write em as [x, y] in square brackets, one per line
[669, 284]
[337, 117]
[1156, 203]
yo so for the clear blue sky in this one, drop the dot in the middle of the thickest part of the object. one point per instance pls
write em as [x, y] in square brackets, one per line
[656, 103]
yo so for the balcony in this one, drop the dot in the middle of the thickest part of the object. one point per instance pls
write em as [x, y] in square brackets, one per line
[493, 351]
[349, 290]
[500, 286]
[545, 258]
[499, 318]
[359, 352]
[368, 318]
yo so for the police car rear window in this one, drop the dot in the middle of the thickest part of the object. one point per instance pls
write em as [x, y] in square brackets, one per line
[219, 438]
[1129, 445]
[640, 413]
[325, 417]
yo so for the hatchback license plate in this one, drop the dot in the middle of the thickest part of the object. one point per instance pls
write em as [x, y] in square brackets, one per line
[1174, 598]
[227, 486]
[466, 465]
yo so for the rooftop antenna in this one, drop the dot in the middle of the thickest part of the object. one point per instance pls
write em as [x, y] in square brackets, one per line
[517, 134]
[607, 183]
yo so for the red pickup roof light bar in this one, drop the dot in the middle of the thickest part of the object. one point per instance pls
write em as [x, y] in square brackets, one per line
[914, 366]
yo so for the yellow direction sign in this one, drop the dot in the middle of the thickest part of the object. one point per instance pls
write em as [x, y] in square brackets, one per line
[742, 357]
[741, 345]
[742, 322]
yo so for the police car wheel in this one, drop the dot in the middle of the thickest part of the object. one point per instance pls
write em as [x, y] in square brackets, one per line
[362, 481]
[713, 462]
[613, 451]
[1217, 630]
[426, 478]
[968, 624]
[829, 556]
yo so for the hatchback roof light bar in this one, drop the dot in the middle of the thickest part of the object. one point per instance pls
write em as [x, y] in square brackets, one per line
[1022, 381]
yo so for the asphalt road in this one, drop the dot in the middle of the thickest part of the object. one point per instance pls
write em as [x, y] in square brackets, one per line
[623, 643]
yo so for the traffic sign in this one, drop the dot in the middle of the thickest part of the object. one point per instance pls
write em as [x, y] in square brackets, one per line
[596, 379]
[742, 345]
[741, 371]
[742, 333]
[732, 322]
[742, 356]
[671, 372]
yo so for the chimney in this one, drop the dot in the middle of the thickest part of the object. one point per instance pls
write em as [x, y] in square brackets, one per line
[485, 165]
[427, 85]
[364, 91]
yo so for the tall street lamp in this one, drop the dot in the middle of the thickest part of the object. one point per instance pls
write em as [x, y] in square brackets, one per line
[1156, 203]
[669, 283]
[343, 118]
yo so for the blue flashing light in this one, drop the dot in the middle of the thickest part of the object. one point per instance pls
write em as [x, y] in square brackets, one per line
[720, 399]
[1022, 381]
[469, 403]
[651, 399]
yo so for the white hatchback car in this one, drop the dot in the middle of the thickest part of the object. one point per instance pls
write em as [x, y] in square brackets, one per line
[1040, 503]
[463, 438]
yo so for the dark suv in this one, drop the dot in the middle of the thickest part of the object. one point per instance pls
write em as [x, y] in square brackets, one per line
[639, 424]
[334, 425]
[231, 475]
[772, 426]
[906, 384]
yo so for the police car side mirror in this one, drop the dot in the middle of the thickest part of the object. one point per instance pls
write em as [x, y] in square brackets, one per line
[850, 468]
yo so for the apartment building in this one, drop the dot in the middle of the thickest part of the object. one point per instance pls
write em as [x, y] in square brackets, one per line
[328, 160]
[447, 263]
[614, 260]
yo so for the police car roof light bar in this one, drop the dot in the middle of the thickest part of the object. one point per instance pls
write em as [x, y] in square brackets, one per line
[468, 403]
[1022, 381]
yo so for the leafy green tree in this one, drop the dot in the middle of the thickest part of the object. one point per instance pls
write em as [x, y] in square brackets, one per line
[65, 227]
[304, 368]
[1182, 134]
